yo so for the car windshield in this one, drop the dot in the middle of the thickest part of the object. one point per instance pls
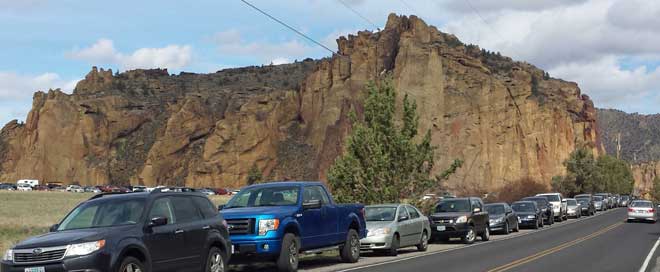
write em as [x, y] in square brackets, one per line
[598, 198]
[104, 214]
[641, 204]
[495, 209]
[541, 202]
[265, 196]
[552, 197]
[380, 213]
[523, 207]
[571, 202]
[457, 205]
[584, 201]
[624, 198]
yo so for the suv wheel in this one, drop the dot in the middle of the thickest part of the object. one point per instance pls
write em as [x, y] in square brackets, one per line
[470, 236]
[394, 247]
[506, 230]
[215, 262]
[288, 259]
[485, 236]
[130, 264]
[350, 252]
[424, 243]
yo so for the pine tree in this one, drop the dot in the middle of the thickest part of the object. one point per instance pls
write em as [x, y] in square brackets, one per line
[254, 175]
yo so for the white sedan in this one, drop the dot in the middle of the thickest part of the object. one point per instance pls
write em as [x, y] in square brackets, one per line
[642, 210]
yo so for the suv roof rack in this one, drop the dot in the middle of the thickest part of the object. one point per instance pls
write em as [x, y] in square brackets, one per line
[106, 194]
[173, 190]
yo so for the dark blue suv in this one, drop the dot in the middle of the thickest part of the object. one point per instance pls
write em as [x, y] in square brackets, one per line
[129, 232]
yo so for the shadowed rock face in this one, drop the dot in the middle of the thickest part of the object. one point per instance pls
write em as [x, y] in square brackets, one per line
[505, 119]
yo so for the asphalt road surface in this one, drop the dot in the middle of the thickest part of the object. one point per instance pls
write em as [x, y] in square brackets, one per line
[601, 243]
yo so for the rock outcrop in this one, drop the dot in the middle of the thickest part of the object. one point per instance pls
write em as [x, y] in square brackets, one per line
[506, 120]
[644, 174]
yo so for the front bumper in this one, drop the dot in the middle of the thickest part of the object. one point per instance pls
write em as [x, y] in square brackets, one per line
[257, 247]
[497, 226]
[95, 262]
[572, 212]
[376, 242]
[526, 222]
[455, 230]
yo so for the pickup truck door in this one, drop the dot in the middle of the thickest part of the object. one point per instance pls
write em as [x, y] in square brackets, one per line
[311, 222]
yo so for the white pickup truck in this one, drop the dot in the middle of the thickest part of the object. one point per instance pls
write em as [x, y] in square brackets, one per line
[559, 205]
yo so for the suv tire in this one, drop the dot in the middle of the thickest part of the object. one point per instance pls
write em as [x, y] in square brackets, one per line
[424, 243]
[215, 262]
[469, 236]
[131, 264]
[394, 246]
[288, 259]
[506, 230]
[350, 252]
[485, 236]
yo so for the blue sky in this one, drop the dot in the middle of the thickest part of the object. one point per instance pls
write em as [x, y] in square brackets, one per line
[50, 44]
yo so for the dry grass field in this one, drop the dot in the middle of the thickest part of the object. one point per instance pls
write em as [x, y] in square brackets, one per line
[24, 214]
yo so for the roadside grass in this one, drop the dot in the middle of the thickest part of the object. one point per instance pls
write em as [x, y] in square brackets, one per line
[25, 214]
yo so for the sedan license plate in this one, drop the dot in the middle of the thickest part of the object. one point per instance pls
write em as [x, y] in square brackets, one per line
[438, 228]
[35, 269]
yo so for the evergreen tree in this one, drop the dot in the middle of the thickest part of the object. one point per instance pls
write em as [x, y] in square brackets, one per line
[254, 175]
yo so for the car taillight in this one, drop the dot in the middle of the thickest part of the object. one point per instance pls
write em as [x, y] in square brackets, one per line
[652, 210]
[630, 210]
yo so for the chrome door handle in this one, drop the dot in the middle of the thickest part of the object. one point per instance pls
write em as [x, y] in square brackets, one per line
[178, 231]
[206, 227]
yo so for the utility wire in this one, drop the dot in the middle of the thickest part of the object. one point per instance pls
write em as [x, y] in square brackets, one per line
[410, 7]
[358, 14]
[484, 20]
[290, 27]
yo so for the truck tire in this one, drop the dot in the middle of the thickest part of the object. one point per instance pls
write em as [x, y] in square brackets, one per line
[288, 259]
[485, 236]
[350, 251]
[469, 236]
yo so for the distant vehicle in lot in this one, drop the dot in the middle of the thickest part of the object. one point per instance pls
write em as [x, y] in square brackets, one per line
[220, 191]
[529, 214]
[642, 210]
[599, 203]
[545, 206]
[7, 187]
[75, 189]
[139, 189]
[502, 218]
[624, 200]
[279, 220]
[130, 232]
[607, 202]
[586, 206]
[40, 188]
[394, 226]
[429, 197]
[24, 187]
[92, 189]
[206, 191]
[463, 218]
[559, 209]
[574, 208]
[30, 182]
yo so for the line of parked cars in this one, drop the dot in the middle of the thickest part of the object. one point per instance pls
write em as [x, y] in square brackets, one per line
[33, 185]
[164, 229]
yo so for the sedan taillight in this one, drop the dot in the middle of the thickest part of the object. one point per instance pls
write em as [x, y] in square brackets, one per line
[630, 210]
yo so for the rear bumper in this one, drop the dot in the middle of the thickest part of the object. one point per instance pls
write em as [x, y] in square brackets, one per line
[648, 217]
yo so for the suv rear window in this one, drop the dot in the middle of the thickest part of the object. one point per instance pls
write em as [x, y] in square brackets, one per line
[184, 210]
[206, 207]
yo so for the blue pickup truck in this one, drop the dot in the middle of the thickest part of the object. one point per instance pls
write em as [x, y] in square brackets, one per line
[278, 221]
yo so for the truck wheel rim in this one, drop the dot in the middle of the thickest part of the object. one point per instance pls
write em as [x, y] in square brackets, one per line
[131, 267]
[470, 235]
[293, 255]
[355, 247]
[217, 265]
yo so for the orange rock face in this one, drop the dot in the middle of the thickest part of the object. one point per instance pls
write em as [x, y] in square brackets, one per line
[506, 120]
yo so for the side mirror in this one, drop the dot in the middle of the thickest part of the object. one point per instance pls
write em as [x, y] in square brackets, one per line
[403, 218]
[312, 204]
[476, 210]
[54, 228]
[508, 212]
[158, 221]
[220, 207]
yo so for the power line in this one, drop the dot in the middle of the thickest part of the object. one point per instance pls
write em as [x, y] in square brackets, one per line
[358, 14]
[410, 7]
[484, 20]
[289, 27]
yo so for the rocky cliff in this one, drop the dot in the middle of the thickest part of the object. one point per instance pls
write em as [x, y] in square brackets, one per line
[505, 119]
[644, 174]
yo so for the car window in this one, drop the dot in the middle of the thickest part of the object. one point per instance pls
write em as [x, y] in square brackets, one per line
[206, 207]
[315, 193]
[641, 204]
[265, 196]
[162, 207]
[184, 210]
[459, 205]
[413, 212]
[379, 213]
[495, 209]
[104, 214]
[523, 207]
[403, 212]
[476, 204]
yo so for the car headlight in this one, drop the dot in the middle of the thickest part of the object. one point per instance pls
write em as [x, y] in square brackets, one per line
[381, 231]
[84, 248]
[266, 225]
[9, 256]
[531, 216]
[461, 219]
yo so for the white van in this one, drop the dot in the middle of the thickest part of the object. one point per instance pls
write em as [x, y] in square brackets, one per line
[31, 182]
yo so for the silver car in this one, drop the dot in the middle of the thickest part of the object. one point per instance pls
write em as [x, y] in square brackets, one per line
[394, 226]
[642, 210]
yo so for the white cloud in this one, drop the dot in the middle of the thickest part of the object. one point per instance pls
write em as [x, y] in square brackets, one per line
[231, 43]
[104, 52]
[488, 6]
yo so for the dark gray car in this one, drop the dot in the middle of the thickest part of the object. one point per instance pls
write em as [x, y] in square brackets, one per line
[502, 218]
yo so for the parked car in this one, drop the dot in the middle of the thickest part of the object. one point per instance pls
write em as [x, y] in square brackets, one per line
[7, 187]
[545, 206]
[75, 189]
[574, 208]
[586, 206]
[643, 210]
[394, 226]
[92, 189]
[139, 189]
[23, 187]
[429, 197]
[40, 188]
[463, 218]
[30, 182]
[206, 191]
[130, 232]
[599, 203]
[529, 214]
[502, 218]
[559, 208]
[220, 191]
[279, 220]
[624, 200]
[607, 202]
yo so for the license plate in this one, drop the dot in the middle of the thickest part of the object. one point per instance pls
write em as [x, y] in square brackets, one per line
[438, 228]
[35, 269]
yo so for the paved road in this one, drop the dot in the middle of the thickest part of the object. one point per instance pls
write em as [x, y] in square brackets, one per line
[600, 243]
